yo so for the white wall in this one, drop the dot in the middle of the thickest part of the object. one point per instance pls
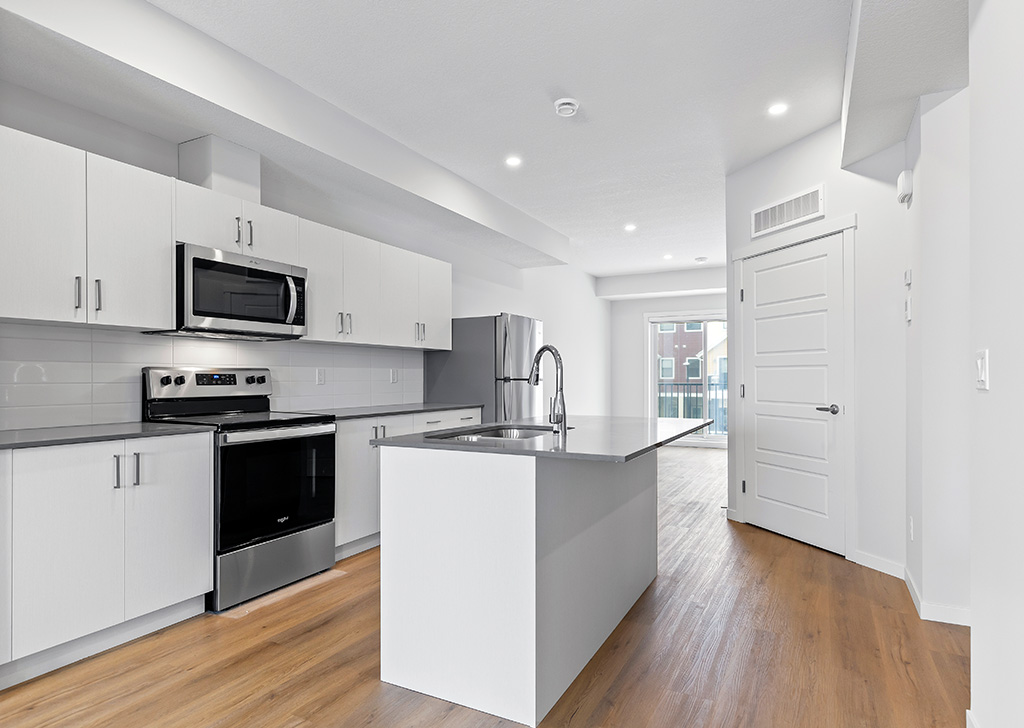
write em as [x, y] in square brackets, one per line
[630, 336]
[939, 381]
[996, 429]
[880, 259]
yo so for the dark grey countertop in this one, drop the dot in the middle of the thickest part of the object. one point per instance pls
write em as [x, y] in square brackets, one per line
[383, 410]
[43, 436]
[614, 439]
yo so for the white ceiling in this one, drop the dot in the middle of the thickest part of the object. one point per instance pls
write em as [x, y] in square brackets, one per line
[673, 96]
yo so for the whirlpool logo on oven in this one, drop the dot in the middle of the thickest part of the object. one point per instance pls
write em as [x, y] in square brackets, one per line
[282, 519]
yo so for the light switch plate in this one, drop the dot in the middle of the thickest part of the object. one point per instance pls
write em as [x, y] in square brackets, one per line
[321, 375]
[394, 376]
[981, 367]
[908, 307]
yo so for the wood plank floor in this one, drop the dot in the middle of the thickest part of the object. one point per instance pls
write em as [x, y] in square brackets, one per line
[741, 628]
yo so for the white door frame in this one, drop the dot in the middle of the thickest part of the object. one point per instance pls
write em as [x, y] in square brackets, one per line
[847, 226]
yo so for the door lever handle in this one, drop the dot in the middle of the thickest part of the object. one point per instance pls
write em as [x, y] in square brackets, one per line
[834, 409]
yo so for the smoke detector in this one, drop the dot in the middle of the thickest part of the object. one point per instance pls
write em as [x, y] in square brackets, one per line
[567, 107]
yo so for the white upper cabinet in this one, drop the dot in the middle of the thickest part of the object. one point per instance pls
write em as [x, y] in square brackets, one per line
[130, 245]
[399, 288]
[205, 217]
[362, 286]
[216, 220]
[269, 233]
[322, 253]
[42, 229]
[435, 304]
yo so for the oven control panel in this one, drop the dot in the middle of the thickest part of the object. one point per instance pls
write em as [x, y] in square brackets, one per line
[181, 382]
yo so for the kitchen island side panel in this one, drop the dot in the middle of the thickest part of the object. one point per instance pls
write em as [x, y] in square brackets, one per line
[597, 552]
[458, 595]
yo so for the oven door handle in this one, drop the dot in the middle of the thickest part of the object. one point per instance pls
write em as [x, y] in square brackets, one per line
[283, 433]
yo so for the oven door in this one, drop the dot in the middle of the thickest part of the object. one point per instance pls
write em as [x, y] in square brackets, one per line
[226, 292]
[273, 482]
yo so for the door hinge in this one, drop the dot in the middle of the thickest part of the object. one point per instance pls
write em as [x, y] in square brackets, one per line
[744, 486]
[741, 295]
[743, 391]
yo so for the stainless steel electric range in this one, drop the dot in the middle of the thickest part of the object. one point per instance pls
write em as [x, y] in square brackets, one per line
[273, 479]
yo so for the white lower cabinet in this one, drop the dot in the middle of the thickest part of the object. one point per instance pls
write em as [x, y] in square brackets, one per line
[357, 482]
[357, 494]
[6, 457]
[104, 532]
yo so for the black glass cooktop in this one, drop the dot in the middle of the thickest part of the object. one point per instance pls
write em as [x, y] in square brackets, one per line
[250, 420]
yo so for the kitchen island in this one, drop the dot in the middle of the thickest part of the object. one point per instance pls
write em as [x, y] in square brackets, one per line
[507, 561]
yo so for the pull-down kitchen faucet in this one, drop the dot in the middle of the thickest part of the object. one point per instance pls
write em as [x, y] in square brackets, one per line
[557, 414]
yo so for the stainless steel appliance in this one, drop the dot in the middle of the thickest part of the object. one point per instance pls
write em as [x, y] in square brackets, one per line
[228, 295]
[273, 478]
[489, 362]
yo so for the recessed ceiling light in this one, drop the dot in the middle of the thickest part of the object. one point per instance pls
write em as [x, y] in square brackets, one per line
[629, 227]
[667, 256]
[778, 109]
[701, 260]
[513, 161]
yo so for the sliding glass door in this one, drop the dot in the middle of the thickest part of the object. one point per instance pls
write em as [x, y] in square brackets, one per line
[691, 377]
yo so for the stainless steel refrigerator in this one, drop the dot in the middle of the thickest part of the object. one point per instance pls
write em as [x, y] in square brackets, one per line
[489, 363]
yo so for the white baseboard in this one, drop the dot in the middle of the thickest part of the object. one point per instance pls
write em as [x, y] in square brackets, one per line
[357, 547]
[733, 515]
[971, 722]
[877, 563]
[40, 663]
[932, 612]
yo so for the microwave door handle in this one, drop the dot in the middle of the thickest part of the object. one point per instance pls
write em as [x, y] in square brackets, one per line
[293, 299]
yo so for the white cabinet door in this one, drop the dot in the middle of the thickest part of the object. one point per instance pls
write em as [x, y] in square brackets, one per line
[435, 289]
[68, 544]
[42, 229]
[168, 525]
[399, 289]
[362, 280]
[205, 217]
[322, 253]
[446, 419]
[6, 460]
[269, 233]
[130, 245]
[356, 504]
[357, 484]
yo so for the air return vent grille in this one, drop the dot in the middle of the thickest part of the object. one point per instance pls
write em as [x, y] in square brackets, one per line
[806, 206]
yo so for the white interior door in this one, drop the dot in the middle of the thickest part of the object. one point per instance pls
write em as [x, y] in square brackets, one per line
[792, 321]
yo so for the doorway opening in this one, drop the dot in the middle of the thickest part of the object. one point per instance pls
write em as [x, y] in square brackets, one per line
[690, 378]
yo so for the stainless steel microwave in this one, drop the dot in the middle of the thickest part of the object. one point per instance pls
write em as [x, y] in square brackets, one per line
[230, 295]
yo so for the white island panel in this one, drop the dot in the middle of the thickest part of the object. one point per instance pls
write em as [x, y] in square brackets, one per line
[458, 589]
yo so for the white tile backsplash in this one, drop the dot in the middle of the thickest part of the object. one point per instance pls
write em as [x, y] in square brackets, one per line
[69, 375]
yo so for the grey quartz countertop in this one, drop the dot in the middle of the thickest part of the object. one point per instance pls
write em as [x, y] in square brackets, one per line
[43, 436]
[383, 410]
[614, 439]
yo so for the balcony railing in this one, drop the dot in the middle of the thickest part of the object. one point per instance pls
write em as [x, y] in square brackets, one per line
[686, 399]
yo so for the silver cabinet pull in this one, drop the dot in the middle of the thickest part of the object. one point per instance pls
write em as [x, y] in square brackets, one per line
[238, 231]
[349, 317]
[138, 469]
[433, 422]
[251, 237]
[424, 336]
[375, 428]
[99, 295]
[78, 291]
[463, 419]
[417, 330]
[341, 322]
[383, 430]
[117, 472]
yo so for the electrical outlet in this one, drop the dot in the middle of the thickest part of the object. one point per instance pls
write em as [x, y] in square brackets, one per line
[321, 375]
[394, 376]
[911, 528]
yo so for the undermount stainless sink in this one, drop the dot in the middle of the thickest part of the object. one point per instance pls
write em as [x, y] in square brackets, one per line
[518, 432]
